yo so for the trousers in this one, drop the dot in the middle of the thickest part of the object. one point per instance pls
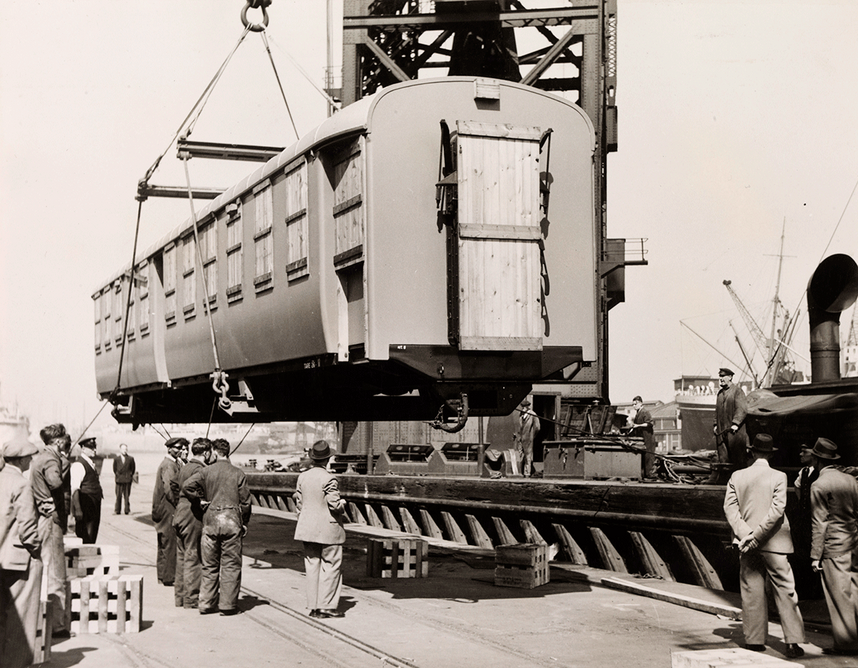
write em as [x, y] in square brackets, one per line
[755, 567]
[840, 584]
[123, 493]
[54, 572]
[220, 550]
[189, 567]
[323, 571]
[19, 615]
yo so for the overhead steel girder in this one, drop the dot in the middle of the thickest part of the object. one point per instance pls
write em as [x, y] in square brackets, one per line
[585, 19]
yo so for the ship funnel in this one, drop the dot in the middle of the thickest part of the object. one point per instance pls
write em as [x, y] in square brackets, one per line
[832, 288]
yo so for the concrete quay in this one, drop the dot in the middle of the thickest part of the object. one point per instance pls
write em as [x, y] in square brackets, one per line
[454, 617]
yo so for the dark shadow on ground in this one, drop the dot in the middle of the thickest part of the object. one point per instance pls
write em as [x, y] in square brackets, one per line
[71, 657]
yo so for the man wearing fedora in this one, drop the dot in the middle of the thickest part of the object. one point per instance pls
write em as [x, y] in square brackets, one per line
[321, 515]
[731, 439]
[755, 505]
[525, 433]
[834, 545]
[86, 493]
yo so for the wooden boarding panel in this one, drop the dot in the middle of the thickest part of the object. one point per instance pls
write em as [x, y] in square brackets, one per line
[106, 603]
[498, 237]
[397, 558]
[42, 649]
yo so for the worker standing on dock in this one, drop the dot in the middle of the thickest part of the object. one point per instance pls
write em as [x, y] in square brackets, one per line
[755, 506]
[834, 549]
[321, 515]
[525, 433]
[164, 499]
[188, 523]
[86, 493]
[225, 497]
[731, 439]
[642, 426]
[49, 477]
[20, 566]
[124, 469]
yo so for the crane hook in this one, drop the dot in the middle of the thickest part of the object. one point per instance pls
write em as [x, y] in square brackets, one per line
[256, 4]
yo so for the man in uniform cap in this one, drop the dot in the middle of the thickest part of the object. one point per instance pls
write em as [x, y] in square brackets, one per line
[755, 505]
[164, 499]
[86, 493]
[321, 515]
[20, 567]
[731, 440]
[834, 545]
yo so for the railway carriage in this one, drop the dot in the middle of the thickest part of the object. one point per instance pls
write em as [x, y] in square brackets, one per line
[432, 245]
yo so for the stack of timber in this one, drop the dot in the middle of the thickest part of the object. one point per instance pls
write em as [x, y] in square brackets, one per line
[397, 558]
[105, 603]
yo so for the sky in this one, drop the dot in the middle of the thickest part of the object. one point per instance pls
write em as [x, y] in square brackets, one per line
[736, 121]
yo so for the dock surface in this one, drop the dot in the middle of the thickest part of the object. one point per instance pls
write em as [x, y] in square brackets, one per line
[456, 616]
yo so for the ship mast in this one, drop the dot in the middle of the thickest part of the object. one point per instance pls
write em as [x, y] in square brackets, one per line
[772, 372]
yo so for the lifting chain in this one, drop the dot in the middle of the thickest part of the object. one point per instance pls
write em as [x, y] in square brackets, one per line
[221, 387]
[256, 4]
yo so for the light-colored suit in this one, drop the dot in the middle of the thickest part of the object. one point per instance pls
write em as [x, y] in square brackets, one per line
[834, 504]
[754, 505]
[321, 514]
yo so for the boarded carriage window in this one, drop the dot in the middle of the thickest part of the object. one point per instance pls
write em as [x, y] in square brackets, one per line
[189, 283]
[297, 248]
[208, 243]
[141, 281]
[499, 234]
[96, 302]
[170, 284]
[264, 208]
[234, 255]
[118, 311]
[106, 318]
[349, 212]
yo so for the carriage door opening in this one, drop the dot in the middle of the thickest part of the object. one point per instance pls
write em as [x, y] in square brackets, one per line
[494, 252]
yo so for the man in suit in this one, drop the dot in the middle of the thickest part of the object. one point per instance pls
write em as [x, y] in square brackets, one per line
[525, 433]
[754, 505]
[124, 469]
[164, 499]
[223, 492]
[86, 493]
[20, 568]
[49, 478]
[808, 586]
[321, 515]
[834, 545]
[731, 439]
[188, 523]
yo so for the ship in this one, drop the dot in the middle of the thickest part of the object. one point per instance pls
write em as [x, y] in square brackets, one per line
[13, 424]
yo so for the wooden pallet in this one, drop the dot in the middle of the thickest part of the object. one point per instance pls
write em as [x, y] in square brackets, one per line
[397, 558]
[524, 566]
[106, 603]
[42, 649]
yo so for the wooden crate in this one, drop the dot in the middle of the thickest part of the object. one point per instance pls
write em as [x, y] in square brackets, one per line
[84, 560]
[106, 603]
[397, 558]
[524, 566]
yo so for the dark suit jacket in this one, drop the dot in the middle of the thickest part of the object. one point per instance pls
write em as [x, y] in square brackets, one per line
[123, 471]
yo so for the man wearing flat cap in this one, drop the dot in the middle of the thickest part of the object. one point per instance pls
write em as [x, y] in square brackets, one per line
[20, 567]
[731, 440]
[164, 499]
[86, 493]
[755, 505]
[321, 515]
[834, 545]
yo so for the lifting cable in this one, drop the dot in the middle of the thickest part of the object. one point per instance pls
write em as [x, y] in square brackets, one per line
[279, 84]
